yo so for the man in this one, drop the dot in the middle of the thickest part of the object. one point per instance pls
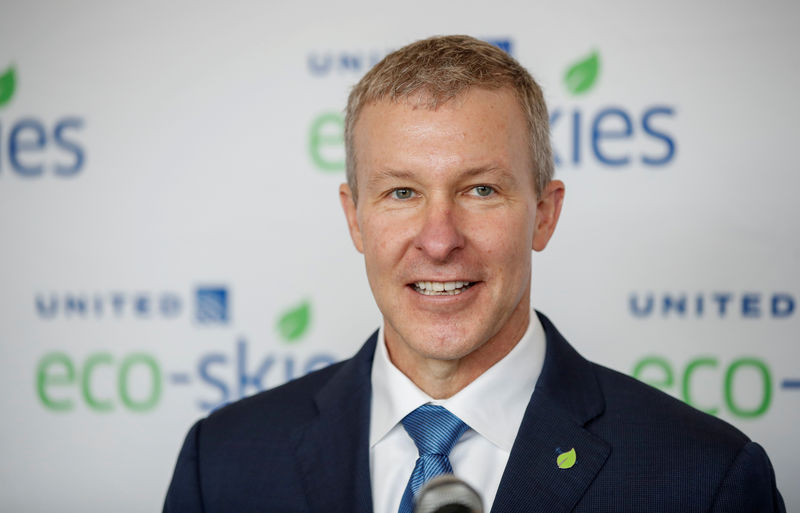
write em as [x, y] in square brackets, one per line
[449, 189]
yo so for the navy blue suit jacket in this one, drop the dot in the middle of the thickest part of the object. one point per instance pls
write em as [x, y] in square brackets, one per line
[303, 447]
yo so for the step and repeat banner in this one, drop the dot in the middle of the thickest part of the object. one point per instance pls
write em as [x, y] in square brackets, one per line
[172, 238]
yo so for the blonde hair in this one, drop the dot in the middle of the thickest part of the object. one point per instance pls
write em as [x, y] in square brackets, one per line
[439, 69]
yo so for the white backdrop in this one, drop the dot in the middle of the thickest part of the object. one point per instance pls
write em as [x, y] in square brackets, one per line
[171, 234]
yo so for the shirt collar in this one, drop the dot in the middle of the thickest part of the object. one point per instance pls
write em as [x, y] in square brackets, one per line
[480, 404]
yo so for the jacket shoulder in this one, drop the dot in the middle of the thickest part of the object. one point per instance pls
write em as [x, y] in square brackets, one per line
[701, 462]
[278, 410]
[658, 413]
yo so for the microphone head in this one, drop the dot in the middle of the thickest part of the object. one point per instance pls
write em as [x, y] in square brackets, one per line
[448, 494]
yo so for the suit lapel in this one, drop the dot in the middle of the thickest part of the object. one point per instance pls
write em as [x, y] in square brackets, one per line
[333, 450]
[567, 396]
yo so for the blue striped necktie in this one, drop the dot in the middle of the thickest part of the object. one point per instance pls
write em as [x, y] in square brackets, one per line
[435, 431]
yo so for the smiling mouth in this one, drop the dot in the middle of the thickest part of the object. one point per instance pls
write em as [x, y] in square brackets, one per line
[442, 288]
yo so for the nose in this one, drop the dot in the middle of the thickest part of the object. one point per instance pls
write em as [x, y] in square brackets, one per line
[440, 234]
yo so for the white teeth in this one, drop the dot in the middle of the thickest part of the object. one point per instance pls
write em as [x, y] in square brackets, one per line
[441, 288]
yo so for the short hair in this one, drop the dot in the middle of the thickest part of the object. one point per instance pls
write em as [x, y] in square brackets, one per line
[439, 69]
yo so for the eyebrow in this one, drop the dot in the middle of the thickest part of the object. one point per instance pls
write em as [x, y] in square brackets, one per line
[384, 174]
[401, 174]
[489, 170]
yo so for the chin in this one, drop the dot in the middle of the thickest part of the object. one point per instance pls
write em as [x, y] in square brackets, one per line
[444, 344]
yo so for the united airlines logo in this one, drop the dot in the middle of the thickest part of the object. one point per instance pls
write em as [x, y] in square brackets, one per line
[68, 381]
[719, 304]
[211, 305]
[503, 43]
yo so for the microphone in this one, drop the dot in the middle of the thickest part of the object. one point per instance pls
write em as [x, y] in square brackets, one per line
[448, 494]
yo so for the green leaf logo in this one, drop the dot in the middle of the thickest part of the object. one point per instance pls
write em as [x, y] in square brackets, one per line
[567, 459]
[294, 323]
[8, 82]
[582, 75]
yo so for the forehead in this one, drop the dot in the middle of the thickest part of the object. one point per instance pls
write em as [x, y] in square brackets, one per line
[470, 130]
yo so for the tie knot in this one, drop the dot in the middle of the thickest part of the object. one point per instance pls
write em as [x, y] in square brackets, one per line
[433, 429]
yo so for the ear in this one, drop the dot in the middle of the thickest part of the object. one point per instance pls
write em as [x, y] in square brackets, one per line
[349, 207]
[548, 209]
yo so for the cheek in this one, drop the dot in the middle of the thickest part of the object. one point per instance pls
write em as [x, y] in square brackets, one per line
[383, 243]
[505, 239]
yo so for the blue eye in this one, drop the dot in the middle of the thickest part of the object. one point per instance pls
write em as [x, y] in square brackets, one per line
[483, 190]
[402, 194]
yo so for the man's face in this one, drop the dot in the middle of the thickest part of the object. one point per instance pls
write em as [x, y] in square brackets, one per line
[446, 218]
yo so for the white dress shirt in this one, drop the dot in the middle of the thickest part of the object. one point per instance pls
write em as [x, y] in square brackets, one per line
[492, 406]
